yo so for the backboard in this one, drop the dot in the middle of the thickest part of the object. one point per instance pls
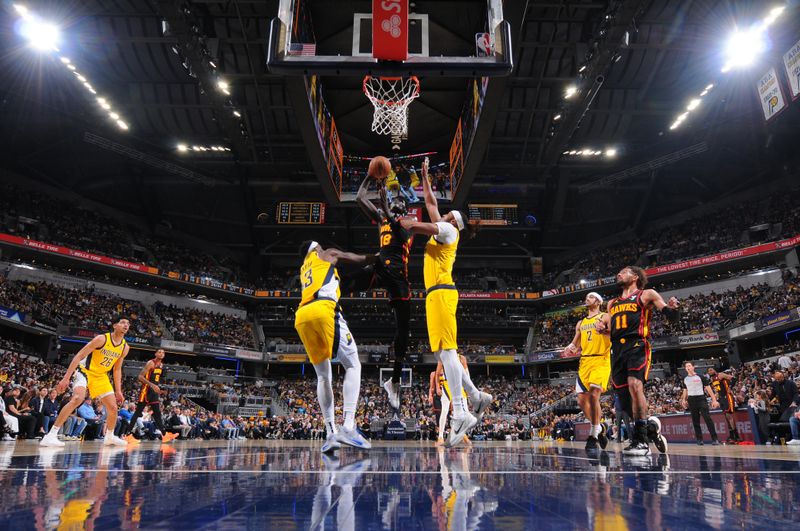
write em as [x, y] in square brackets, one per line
[326, 50]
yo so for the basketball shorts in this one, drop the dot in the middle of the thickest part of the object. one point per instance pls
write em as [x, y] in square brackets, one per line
[147, 396]
[726, 403]
[446, 391]
[324, 332]
[593, 371]
[393, 281]
[97, 385]
[440, 312]
[632, 361]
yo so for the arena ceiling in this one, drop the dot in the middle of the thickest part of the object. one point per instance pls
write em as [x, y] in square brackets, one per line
[51, 131]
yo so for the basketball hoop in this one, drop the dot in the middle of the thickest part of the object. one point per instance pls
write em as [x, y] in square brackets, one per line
[391, 97]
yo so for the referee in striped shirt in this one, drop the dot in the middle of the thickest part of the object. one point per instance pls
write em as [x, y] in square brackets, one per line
[695, 388]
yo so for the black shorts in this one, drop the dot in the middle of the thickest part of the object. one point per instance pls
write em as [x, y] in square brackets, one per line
[437, 404]
[633, 361]
[393, 281]
[725, 404]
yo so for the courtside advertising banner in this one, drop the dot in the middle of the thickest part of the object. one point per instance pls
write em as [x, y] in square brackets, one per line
[678, 428]
[390, 29]
[791, 60]
[770, 94]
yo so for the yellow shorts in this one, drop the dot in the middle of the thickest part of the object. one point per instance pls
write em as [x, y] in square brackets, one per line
[593, 372]
[446, 391]
[324, 332]
[98, 385]
[440, 311]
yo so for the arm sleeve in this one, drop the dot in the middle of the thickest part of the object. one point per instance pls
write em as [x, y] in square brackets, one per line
[447, 233]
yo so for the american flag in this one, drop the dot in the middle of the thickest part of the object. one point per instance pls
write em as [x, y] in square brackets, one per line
[299, 48]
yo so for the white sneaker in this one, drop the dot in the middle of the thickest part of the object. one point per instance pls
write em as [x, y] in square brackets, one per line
[482, 404]
[352, 438]
[114, 441]
[393, 392]
[51, 440]
[330, 444]
[793, 442]
[458, 428]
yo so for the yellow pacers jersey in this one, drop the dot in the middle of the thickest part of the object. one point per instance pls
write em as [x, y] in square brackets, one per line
[438, 263]
[593, 343]
[101, 361]
[319, 278]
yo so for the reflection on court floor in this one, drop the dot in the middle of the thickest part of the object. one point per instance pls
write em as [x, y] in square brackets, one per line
[406, 485]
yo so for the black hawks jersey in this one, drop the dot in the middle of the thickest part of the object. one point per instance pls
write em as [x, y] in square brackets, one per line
[723, 390]
[630, 322]
[395, 242]
[153, 375]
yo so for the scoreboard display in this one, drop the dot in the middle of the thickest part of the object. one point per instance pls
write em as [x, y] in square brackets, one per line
[493, 214]
[301, 213]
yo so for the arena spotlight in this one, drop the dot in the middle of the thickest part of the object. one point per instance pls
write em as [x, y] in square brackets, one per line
[183, 148]
[41, 35]
[122, 125]
[557, 117]
[237, 114]
[570, 91]
[695, 103]
[743, 48]
[611, 153]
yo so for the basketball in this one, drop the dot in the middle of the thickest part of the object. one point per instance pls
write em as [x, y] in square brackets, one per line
[379, 168]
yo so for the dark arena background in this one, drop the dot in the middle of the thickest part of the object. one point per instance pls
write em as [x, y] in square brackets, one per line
[162, 161]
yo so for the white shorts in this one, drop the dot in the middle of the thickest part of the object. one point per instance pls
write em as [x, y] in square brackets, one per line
[79, 380]
[347, 353]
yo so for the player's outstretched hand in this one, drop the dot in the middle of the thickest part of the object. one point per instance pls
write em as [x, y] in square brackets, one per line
[425, 164]
[673, 303]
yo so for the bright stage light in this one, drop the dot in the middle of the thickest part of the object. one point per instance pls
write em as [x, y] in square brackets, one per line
[570, 91]
[41, 35]
[122, 125]
[183, 148]
[611, 153]
[695, 103]
[743, 48]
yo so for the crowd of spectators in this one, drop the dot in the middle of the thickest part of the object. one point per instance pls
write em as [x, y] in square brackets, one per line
[205, 327]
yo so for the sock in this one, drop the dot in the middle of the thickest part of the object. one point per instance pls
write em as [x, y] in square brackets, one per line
[325, 394]
[453, 371]
[54, 430]
[350, 389]
[473, 392]
[595, 430]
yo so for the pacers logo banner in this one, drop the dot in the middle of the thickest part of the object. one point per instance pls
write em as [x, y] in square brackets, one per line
[791, 60]
[390, 29]
[770, 94]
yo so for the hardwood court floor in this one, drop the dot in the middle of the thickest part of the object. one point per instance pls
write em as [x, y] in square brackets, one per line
[397, 485]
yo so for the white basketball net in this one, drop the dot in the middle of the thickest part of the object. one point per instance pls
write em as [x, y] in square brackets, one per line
[391, 97]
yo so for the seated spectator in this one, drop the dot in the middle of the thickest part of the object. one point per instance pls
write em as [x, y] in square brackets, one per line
[87, 412]
[26, 421]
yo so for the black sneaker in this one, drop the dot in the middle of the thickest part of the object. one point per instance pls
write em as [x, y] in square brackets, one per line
[637, 447]
[591, 443]
[602, 438]
[655, 437]
[699, 443]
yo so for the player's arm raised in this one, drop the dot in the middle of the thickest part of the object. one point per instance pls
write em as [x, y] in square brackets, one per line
[335, 255]
[87, 349]
[431, 205]
[365, 204]
[118, 375]
[420, 227]
[669, 309]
